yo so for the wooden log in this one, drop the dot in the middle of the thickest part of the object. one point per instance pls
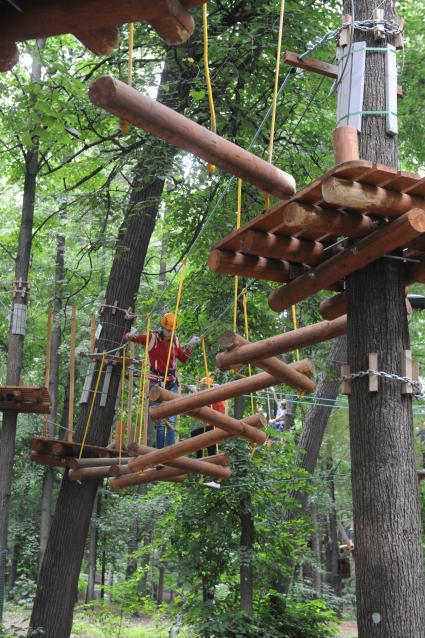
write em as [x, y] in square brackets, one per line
[9, 56]
[273, 364]
[215, 466]
[195, 443]
[273, 246]
[48, 17]
[229, 263]
[51, 461]
[100, 461]
[93, 473]
[334, 306]
[279, 344]
[212, 395]
[150, 476]
[346, 144]
[387, 238]
[320, 221]
[57, 448]
[199, 411]
[373, 199]
[143, 112]
[421, 475]
[100, 41]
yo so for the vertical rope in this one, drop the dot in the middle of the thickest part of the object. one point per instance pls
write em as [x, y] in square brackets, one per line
[204, 354]
[210, 167]
[238, 225]
[176, 312]
[102, 363]
[245, 315]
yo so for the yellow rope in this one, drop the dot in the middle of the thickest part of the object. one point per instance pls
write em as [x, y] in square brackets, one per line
[176, 312]
[204, 354]
[275, 91]
[245, 315]
[102, 363]
[124, 123]
[143, 378]
[294, 322]
[122, 403]
[238, 225]
[210, 167]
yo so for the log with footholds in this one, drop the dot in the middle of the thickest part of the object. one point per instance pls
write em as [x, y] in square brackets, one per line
[385, 239]
[280, 344]
[125, 102]
[150, 476]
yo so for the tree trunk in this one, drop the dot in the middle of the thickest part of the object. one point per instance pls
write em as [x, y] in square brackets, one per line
[16, 341]
[91, 575]
[160, 592]
[388, 551]
[316, 551]
[49, 473]
[61, 565]
[333, 576]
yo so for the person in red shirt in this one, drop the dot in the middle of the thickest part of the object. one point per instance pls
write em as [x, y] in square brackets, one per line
[158, 349]
[219, 406]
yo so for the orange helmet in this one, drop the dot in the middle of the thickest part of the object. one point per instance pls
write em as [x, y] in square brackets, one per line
[208, 381]
[169, 321]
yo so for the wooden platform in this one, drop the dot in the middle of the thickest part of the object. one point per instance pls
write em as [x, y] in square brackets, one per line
[24, 399]
[302, 230]
[65, 449]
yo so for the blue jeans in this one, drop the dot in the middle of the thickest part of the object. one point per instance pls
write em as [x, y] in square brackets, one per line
[166, 435]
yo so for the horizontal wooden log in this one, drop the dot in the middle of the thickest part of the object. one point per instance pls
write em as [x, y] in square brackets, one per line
[280, 344]
[101, 462]
[195, 443]
[385, 239]
[320, 221]
[51, 461]
[273, 246]
[205, 414]
[51, 17]
[9, 56]
[150, 476]
[212, 395]
[93, 473]
[373, 199]
[230, 340]
[121, 100]
[333, 307]
[415, 273]
[100, 41]
[215, 466]
[228, 263]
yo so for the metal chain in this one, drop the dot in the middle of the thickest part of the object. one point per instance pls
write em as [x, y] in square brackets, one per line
[387, 26]
[416, 386]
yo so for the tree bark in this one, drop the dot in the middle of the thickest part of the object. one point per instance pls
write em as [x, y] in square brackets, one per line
[16, 341]
[388, 551]
[316, 547]
[160, 592]
[91, 575]
[49, 473]
[58, 579]
[333, 577]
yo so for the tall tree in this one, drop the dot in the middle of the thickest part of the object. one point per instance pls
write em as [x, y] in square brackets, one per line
[389, 567]
[17, 336]
[57, 585]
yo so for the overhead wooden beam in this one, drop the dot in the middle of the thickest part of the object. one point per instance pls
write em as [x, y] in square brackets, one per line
[9, 56]
[205, 414]
[279, 344]
[333, 307]
[373, 199]
[100, 41]
[121, 100]
[195, 443]
[274, 246]
[385, 239]
[229, 263]
[54, 17]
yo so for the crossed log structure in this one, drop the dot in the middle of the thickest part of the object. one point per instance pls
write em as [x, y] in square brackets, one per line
[94, 22]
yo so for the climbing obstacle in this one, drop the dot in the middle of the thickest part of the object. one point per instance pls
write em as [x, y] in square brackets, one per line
[25, 399]
[94, 23]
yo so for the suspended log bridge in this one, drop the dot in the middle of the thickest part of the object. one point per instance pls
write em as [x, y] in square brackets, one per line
[200, 442]
[125, 102]
[57, 453]
[20, 398]
[93, 22]
[279, 344]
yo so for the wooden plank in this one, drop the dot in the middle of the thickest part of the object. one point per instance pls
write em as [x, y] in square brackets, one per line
[373, 365]
[44, 445]
[346, 385]
[309, 64]
[406, 371]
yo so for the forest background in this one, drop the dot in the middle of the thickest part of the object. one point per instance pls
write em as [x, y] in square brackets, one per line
[179, 555]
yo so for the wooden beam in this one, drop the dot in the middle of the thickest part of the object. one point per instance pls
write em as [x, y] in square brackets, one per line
[373, 199]
[215, 466]
[100, 41]
[54, 17]
[333, 307]
[195, 443]
[205, 414]
[121, 100]
[93, 473]
[150, 476]
[273, 246]
[9, 56]
[387, 238]
[229, 263]
[51, 461]
[279, 344]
